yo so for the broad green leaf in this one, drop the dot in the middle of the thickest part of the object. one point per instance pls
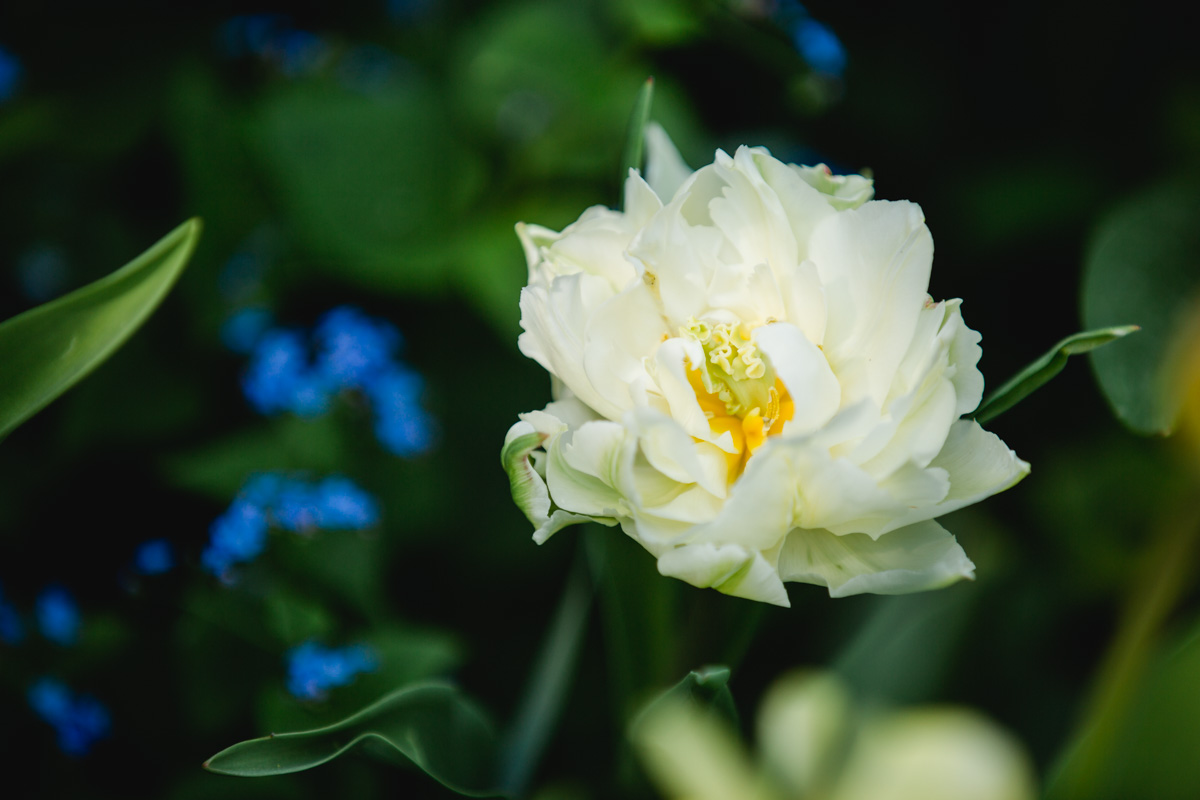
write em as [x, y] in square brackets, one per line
[635, 142]
[48, 349]
[1143, 267]
[706, 688]
[431, 724]
[1042, 370]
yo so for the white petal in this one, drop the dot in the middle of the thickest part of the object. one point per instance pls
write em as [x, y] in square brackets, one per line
[803, 299]
[671, 451]
[621, 334]
[911, 559]
[665, 168]
[803, 723]
[979, 465]
[583, 470]
[728, 568]
[802, 367]
[874, 262]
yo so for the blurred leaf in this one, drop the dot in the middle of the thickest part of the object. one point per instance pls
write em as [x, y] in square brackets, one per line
[706, 688]
[663, 22]
[1021, 385]
[1143, 267]
[635, 141]
[903, 650]
[431, 724]
[374, 185]
[48, 349]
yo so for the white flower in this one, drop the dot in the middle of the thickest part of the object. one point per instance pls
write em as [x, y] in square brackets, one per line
[814, 743]
[751, 379]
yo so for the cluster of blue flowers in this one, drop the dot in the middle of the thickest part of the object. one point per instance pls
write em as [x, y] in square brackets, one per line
[80, 720]
[291, 370]
[815, 41]
[285, 501]
[313, 669]
[275, 40]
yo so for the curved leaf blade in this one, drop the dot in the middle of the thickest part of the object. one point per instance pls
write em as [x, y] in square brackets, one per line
[1141, 267]
[430, 724]
[48, 349]
[635, 142]
[1043, 369]
[706, 689]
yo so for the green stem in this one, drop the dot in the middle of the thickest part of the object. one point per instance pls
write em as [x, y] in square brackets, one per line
[548, 684]
[1154, 595]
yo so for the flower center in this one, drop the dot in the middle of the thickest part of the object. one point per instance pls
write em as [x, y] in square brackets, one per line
[736, 388]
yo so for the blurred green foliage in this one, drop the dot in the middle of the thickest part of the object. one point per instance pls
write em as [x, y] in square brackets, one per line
[387, 171]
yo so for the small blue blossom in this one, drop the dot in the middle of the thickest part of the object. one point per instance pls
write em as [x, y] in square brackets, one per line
[352, 348]
[289, 502]
[154, 557]
[58, 616]
[280, 378]
[80, 720]
[820, 47]
[243, 328]
[236, 536]
[314, 669]
[11, 629]
[347, 351]
[401, 423]
[10, 75]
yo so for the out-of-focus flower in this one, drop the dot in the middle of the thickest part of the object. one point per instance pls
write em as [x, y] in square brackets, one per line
[154, 557]
[10, 75]
[348, 351]
[80, 720]
[812, 744]
[58, 615]
[291, 502]
[751, 379]
[314, 669]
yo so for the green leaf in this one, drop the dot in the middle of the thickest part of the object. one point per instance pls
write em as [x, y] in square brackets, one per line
[707, 688]
[432, 725]
[1041, 371]
[1143, 266]
[635, 142]
[48, 349]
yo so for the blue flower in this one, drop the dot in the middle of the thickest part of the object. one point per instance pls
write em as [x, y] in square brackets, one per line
[10, 75]
[238, 535]
[154, 557]
[820, 47]
[314, 669]
[58, 616]
[242, 329]
[80, 720]
[280, 378]
[401, 423]
[352, 348]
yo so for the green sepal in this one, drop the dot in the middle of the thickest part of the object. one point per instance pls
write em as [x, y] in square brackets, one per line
[431, 725]
[48, 349]
[1041, 371]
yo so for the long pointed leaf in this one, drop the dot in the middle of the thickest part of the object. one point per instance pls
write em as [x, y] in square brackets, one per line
[431, 724]
[1041, 371]
[48, 349]
[635, 142]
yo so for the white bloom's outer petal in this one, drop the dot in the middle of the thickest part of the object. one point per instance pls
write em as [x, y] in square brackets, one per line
[665, 168]
[936, 754]
[874, 262]
[912, 559]
[802, 367]
[528, 487]
[620, 333]
[728, 568]
[584, 469]
[979, 465]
